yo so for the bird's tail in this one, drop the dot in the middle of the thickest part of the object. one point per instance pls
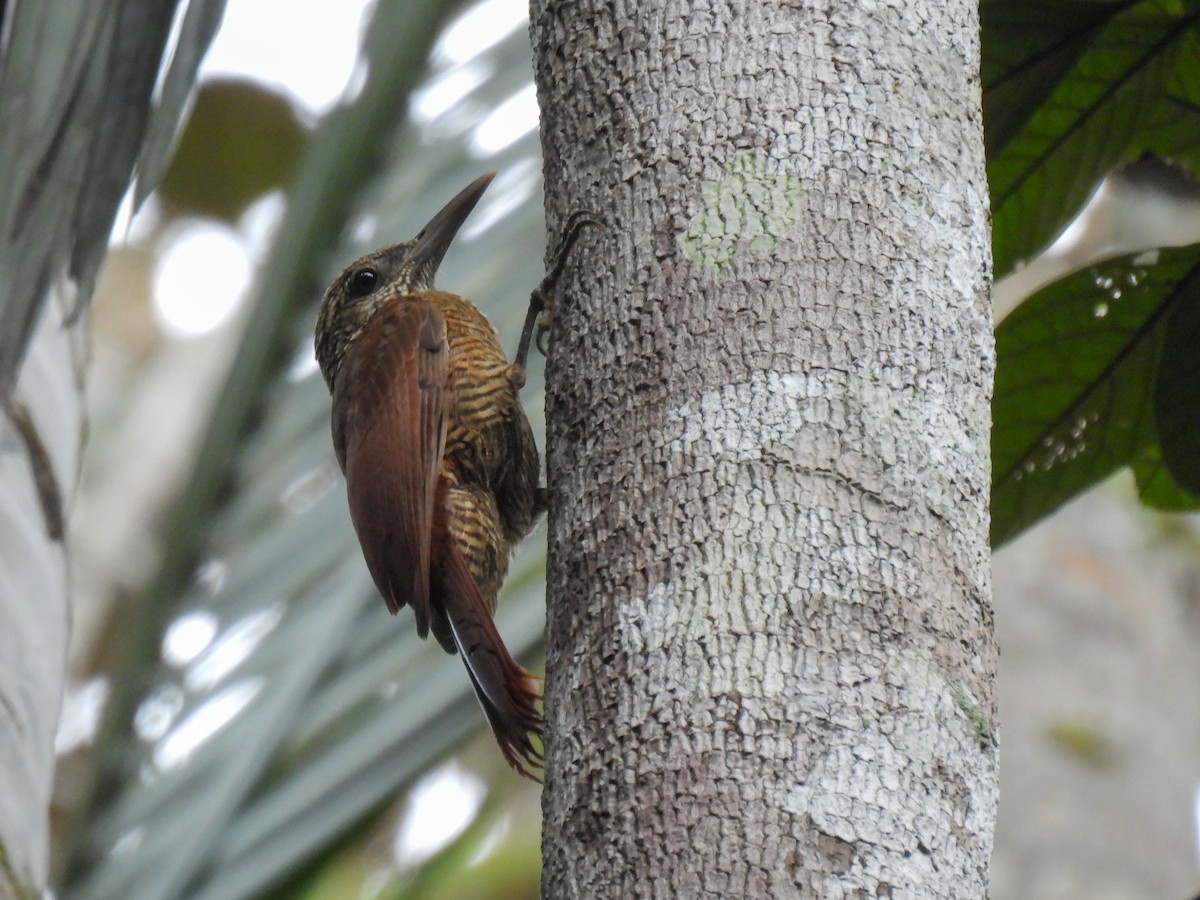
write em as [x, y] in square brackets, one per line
[507, 693]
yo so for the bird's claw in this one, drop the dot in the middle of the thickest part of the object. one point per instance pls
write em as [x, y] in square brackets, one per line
[541, 301]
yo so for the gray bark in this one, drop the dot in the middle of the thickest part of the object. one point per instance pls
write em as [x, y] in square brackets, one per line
[770, 661]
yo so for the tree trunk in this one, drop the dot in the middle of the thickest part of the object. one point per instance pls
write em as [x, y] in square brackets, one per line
[770, 661]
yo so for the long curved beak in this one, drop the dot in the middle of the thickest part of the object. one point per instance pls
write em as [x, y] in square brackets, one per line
[431, 243]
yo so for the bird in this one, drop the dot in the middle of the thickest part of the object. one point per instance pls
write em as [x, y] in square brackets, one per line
[442, 471]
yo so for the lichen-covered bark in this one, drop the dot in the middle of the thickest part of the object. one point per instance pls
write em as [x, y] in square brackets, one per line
[770, 667]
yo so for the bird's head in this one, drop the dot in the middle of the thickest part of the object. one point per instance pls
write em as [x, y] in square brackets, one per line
[397, 271]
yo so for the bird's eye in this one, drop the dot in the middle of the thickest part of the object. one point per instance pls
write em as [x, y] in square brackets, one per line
[363, 282]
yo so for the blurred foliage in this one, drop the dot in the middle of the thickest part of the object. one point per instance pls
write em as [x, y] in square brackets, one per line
[497, 855]
[1084, 742]
[83, 119]
[297, 725]
[89, 100]
[1074, 89]
[1074, 398]
[1096, 372]
[241, 141]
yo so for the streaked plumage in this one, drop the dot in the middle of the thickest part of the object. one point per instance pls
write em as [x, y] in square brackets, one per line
[440, 462]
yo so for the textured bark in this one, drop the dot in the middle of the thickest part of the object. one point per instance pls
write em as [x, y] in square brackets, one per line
[771, 662]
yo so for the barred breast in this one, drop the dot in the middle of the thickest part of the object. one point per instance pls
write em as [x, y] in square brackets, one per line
[491, 462]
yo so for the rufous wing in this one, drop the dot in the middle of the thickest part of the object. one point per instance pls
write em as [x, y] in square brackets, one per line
[389, 433]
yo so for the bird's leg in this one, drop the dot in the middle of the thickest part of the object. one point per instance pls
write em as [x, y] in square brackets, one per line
[541, 301]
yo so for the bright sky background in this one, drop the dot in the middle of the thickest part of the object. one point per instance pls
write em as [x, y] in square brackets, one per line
[303, 49]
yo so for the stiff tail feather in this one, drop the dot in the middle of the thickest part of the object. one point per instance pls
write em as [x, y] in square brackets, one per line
[506, 691]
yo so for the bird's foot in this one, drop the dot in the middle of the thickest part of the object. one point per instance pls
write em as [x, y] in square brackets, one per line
[541, 301]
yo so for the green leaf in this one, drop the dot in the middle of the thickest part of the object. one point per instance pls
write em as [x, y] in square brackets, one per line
[1156, 488]
[1029, 46]
[1177, 390]
[1111, 105]
[1075, 381]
